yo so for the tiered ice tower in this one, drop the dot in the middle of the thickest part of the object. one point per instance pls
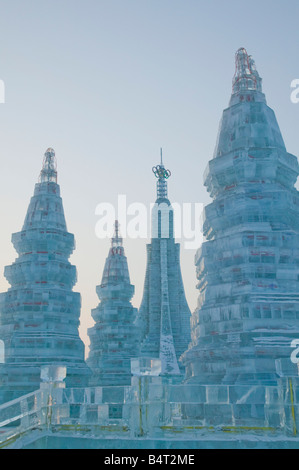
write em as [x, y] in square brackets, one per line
[113, 338]
[248, 269]
[39, 314]
[164, 315]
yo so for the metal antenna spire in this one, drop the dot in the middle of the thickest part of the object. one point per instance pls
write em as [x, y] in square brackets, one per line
[161, 156]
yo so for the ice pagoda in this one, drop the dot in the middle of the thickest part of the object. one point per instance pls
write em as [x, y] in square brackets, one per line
[39, 314]
[248, 267]
[113, 338]
[164, 315]
[241, 387]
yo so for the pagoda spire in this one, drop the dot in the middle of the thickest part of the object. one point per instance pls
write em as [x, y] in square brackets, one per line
[39, 314]
[48, 173]
[247, 269]
[116, 267]
[246, 76]
[164, 315]
[162, 176]
[255, 124]
[246, 83]
[116, 240]
[113, 338]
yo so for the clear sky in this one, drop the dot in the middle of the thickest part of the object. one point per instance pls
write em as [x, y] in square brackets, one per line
[106, 83]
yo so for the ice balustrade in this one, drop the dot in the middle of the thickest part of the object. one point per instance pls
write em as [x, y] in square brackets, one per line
[153, 408]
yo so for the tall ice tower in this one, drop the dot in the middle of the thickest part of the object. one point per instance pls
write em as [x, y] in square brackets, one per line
[248, 269]
[113, 338]
[39, 314]
[164, 315]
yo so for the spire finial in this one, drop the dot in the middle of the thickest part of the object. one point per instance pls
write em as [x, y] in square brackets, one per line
[161, 156]
[162, 174]
[116, 226]
[116, 241]
[48, 173]
[246, 77]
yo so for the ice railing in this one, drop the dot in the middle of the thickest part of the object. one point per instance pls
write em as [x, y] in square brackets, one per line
[23, 414]
[151, 407]
[32, 410]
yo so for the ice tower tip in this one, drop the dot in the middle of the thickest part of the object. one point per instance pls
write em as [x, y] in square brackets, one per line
[48, 173]
[246, 77]
[117, 241]
[162, 174]
[116, 235]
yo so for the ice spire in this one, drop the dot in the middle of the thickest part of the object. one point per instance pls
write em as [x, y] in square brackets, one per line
[113, 338]
[116, 268]
[117, 241]
[42, 211]
[246, 76]
[39, 314]
[162, 174]
[48, 173]
[164, 316]
[248, 121]
[247, 269]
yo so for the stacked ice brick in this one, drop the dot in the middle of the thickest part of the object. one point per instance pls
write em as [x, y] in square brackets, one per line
[39, 316]
[113, 338]
[164, 315]
[248, 269]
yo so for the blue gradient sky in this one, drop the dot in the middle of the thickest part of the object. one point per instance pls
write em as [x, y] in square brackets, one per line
[106, 83]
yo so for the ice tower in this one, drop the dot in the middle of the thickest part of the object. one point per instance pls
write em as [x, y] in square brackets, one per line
[248, 269]
[241, 387]
[39, 314]
[113, 338]
[164, 315]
